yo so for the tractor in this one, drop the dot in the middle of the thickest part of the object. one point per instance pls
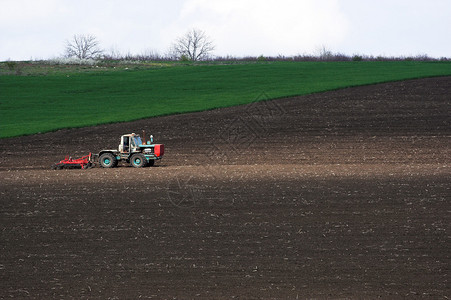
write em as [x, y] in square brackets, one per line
[132, 150]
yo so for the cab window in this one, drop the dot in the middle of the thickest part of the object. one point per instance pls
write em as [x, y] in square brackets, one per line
[137, 141]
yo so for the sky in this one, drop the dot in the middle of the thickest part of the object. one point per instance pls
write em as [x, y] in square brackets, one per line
[39, 29]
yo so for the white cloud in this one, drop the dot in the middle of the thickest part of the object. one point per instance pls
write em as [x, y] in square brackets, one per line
[38, 28]
[398, 27]
[252, 27]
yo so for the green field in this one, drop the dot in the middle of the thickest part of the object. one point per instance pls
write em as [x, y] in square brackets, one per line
[42, 103]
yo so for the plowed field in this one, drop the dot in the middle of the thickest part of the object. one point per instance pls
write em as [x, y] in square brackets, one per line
[344, 194]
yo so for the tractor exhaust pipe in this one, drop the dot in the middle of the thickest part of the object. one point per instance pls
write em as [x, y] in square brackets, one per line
[144, 137]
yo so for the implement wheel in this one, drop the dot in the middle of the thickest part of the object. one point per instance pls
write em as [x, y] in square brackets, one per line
[138, 160]
[107, 160]
[89, 165]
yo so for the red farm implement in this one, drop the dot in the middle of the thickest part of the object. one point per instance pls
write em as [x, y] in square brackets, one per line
[84, 162]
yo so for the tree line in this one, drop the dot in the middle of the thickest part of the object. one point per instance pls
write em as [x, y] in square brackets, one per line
[196, 45]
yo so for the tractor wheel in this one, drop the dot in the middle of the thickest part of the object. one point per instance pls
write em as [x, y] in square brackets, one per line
[151, 163]
[107, 160]
[138, 160]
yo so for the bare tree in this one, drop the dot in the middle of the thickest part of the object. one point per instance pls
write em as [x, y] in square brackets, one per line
[324, 53]
[83, 47]
[194, 45]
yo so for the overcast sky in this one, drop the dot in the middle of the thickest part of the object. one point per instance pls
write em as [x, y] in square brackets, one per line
[38, 29]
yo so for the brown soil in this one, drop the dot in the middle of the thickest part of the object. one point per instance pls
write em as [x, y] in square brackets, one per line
[342, 194]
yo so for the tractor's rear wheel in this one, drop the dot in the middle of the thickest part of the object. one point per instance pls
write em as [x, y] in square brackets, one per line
[107, 160]
[138, 160]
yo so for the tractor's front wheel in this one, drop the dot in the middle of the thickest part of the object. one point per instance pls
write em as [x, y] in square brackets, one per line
[107, 160]
[138, 160]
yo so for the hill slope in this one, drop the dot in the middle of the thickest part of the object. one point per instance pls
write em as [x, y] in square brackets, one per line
[342, 194]
[32, 104]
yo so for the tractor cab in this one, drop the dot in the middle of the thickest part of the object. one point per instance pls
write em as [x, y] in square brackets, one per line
[130, 143]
